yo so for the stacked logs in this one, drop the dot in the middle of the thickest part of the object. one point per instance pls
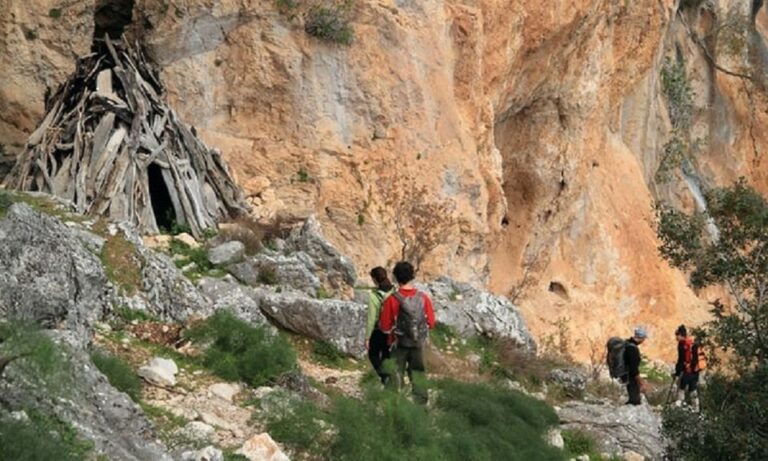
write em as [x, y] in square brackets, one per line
[104, 129]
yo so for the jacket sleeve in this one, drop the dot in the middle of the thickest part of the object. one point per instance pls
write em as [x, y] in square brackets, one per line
[632, 357]
[388, 314]
[429, 311]
[680, 365]
[374, 307]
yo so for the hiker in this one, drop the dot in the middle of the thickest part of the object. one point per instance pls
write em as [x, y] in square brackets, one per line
[687, 368]
[623, 359]
[376, 344]
[407, 316]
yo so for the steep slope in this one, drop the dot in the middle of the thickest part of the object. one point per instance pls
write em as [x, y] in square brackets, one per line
[522, 139]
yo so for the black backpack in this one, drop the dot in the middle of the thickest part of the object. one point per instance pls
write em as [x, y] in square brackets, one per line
[411, 327]
[616, 347]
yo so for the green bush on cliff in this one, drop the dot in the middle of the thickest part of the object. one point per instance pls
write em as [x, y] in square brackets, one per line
[120, 375]
[678, 93]
[40, 437]
[468, 421]
[329, 23]
[238, 351]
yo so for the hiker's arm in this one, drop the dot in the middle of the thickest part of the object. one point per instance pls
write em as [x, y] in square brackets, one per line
[373, 311]
[429, 311]
[388, 314]
[680, 359]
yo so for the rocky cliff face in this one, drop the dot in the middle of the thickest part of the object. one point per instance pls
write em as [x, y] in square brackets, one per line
[524, 140]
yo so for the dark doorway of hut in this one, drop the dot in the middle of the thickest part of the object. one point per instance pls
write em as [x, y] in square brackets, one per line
[162, 205]
[112, 17]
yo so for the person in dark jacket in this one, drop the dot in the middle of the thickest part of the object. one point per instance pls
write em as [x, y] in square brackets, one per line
[686, 368]
[635, 384]
[377, 345]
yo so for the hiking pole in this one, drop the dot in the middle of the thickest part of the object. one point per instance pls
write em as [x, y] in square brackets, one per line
[669, 392]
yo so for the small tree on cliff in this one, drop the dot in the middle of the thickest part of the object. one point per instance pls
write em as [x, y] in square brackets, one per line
[735, 256]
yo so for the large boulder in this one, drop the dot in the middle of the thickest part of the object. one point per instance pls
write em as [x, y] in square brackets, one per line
[225, 293]
[296, 271]
[334, 269]
[226, 253]
[100, 413]
[474, 312]
[341, 323]
[47, 274]
[165, 292]
[617, 429]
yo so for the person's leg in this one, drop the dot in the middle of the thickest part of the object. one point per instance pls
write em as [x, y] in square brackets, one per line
[378, 351]
[633, 389]
[418, 375]
[693, 387]
[680, 391]
[400, 355]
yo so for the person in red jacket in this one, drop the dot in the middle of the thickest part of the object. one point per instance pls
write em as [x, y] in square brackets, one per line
[407, 316]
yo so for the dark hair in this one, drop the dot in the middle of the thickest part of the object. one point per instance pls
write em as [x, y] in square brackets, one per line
[379, 275]
[681, 331]
[403, 272]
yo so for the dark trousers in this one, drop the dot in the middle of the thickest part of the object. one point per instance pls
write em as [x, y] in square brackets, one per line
[689, 382]
[411, 360]
[378, 352]
[633, 389]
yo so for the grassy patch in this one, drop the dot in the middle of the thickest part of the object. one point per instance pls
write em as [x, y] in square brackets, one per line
[327, 354]
[38, 357]
[42, 437]
[241, 352]
[122, 264]
[579, 443]
[654, 375]
[130, 315]
[189, 255]
[468, 421]
[119, 373]
[6, 200]
[167, 424]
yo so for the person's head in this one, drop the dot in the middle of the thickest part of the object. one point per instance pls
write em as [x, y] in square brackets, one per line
[403, 272]
[380, 278]
[640, 334]
[681, 333]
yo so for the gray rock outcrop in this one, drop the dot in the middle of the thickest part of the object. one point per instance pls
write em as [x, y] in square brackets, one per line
[341, 323]
[296, 271]
[335, 269]
[474, 312]
[226, 253]
[167, 292]
[97, 410]
[225, 293]
[47, 274]
[617, 429]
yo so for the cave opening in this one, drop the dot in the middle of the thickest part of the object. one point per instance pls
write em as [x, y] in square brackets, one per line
[111, 17]
[160, 197]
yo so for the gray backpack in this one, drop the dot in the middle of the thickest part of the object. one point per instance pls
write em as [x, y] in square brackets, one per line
[411, 326]
[617, 366]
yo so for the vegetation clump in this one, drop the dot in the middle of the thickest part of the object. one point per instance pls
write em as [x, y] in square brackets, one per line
[469, 421]
[40, 436]
[238, 351]
[122, 264]
[119, 373]
[330, 23]
[727, 247]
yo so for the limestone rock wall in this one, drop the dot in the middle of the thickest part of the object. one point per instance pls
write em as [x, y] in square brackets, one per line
[527, 135]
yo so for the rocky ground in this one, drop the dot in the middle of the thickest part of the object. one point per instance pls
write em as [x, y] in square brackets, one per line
[96, 286]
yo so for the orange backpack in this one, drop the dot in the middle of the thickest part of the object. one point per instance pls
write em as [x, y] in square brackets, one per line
[695, 357]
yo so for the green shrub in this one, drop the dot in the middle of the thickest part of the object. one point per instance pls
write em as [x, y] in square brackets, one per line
[6, 200]
[35, 355]
[442, 335]
[54, 13]
[329, 23]
[239, 351]
[580, 443]
[303, 175]
[41, 437]
[327, 354]
[675, 152]
[678, 92]
[189, 255]
[469, 421]
[129, 315]
[119, 373]
[268, 276]
[30, 35]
